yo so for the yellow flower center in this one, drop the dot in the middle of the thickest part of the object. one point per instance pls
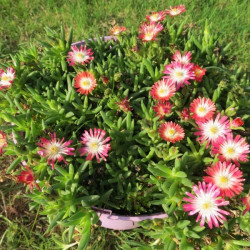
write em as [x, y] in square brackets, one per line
[179, 74]
[174, 10]
[201, 109]
[214, 130]
[86, 83]
[6, 78]
[171, 132]
[94, 146]
[207, 205]
[79, 55]
[148, 36]
[2, 142]
[223, 180]
[54, 149]
[198, 72]
[230, 151]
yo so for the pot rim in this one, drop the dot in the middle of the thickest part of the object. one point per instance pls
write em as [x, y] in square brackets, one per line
[115, 221]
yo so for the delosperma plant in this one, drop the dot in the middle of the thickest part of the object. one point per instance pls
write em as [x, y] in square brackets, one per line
[148, 121]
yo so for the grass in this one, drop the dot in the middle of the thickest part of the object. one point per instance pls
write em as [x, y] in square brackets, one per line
[23, 22]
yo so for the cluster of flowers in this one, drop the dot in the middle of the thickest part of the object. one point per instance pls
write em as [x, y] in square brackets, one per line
[178, 73]
[149, 31]
[224, 178]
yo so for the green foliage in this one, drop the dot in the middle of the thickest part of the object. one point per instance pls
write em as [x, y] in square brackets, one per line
[143, 174]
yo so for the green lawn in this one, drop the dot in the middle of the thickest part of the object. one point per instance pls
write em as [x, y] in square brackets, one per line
[23, 21]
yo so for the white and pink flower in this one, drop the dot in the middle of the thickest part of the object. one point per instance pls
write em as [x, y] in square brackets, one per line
[116, 30]
[163, 90]
[179, 73]
[202, 109]
[85, 82]
[231, 149]
[7, 78]
[79, 56]
[3, 141]
[176, 10]
[212, 129]
[156, 16]
[227, 177]
[95, 144]
[183, 59]
[206, 202]
[54, 149]
[171, 132]
[149, 32]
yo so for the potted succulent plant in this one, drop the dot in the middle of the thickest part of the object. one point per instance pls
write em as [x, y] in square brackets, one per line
[137, 125]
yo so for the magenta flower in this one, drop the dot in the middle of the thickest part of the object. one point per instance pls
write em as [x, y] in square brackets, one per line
[156, 16]
[149, 32]
[80, 56]
[179, 73]
[231, 149]
[202, 109]
[95, 144]
[183, 59]
[212, 129]
[176, 10]
[227, 177]
[54, 149]
[206, 202]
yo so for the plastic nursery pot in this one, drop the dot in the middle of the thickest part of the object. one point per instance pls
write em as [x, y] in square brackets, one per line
[122, 222]
[106, 38]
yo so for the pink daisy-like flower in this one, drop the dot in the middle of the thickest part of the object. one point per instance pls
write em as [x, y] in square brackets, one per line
[199, 72]
[202, 109]
[149, 32]
[85, 82]
[227, 177]
[28, 178]
[156, 16]
[231, 149]
[175, 11]
[213, 129]
[179, 73]
[124, 105]
[206, 203]
[162, 109]
[54, 149]
[246, 201]
[185, 59]
[116, 30]
[172, 132]
[185, 115]
[81, 56]
[237, 122]
[95, 144]
[3, 141]
[6, 78]
[163, 90]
